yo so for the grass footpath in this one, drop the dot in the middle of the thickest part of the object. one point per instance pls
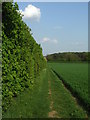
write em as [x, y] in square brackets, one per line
[31, 104]
[48, 99]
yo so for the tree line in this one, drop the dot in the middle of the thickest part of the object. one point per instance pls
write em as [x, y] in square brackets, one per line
[22, 58]
[68, 56]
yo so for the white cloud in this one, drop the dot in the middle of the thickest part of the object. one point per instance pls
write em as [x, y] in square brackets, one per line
[31, 12]
[46, 39]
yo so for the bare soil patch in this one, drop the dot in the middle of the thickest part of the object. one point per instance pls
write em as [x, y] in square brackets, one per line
[52, 113]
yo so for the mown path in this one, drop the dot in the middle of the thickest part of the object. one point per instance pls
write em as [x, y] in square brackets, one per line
[52, 113]
[48, 99]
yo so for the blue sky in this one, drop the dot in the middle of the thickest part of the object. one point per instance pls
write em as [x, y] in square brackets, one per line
[58, 27]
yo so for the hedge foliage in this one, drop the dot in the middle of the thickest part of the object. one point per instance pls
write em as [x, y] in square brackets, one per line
[22, 57]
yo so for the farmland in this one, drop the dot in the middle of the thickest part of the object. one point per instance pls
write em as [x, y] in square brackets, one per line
[75, 76]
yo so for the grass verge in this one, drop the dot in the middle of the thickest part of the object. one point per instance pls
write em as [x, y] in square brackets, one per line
[31, 103]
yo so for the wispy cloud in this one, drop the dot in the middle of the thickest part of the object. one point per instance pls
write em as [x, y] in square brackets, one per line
[46, 39]
[31, 13]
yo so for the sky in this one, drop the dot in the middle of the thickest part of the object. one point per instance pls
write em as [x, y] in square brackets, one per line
[58, 26]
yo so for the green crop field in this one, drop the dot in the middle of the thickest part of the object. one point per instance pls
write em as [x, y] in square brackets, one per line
[75, 75]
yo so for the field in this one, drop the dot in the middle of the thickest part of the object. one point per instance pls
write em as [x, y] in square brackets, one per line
[48, 99]
[75, 77]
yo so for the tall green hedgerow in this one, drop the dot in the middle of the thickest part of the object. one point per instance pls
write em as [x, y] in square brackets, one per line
[22, 57]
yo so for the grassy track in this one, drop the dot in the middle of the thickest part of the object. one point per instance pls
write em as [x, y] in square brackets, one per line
[31, 103]
[49, 98]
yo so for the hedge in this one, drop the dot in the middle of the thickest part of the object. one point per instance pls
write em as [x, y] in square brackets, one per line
[22, 58]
